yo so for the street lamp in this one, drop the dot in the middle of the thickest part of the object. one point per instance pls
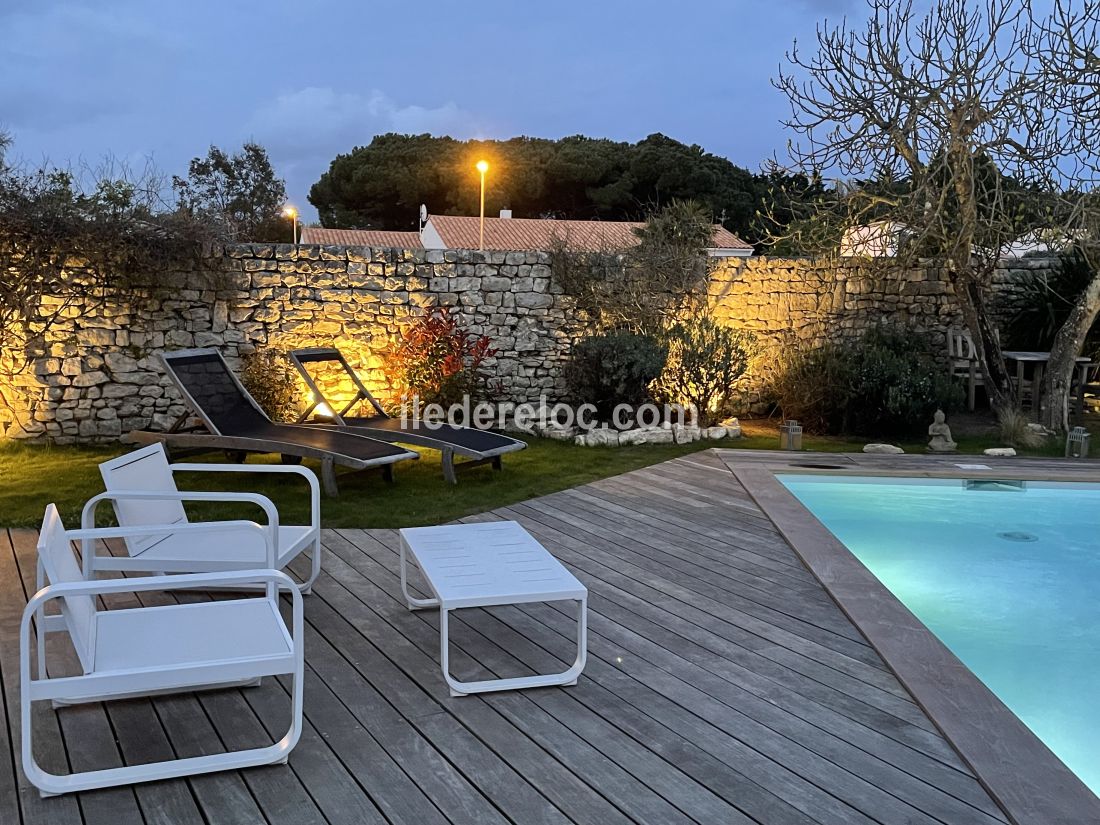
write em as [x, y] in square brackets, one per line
[291, 214]
[482, 167]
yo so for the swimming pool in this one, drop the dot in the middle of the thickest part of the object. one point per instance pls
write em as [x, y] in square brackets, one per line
[1005, 573]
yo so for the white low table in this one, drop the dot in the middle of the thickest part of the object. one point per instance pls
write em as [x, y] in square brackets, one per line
[482, 565]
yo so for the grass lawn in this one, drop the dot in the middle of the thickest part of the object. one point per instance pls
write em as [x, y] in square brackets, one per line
[32, 476]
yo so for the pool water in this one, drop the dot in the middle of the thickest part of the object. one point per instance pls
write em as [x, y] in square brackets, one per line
[1006, 574]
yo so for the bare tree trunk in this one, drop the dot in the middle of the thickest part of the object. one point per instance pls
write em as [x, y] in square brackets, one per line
[1063, 357]
[998, 383]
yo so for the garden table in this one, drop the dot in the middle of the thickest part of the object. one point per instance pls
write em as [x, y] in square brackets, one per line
[1039, 360]
[485, 565]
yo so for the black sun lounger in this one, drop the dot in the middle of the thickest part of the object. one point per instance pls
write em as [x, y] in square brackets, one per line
[235, 422]
[478, 446]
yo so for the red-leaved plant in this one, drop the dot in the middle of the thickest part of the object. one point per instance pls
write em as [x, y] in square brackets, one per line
[439, 361]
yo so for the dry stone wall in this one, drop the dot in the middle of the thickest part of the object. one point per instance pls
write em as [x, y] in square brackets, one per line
[98, 376]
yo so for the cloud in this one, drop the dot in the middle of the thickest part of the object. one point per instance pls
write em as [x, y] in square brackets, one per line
[305, 129]
[76, 64]
[318, 120]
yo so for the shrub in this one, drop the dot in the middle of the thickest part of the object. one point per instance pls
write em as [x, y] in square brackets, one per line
[705, 361]
[614, 368]
[271, 379]
[440, 361]
[1014, 427]
[886, 384]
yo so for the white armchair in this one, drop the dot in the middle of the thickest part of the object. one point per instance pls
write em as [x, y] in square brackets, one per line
[142, 487]
[140, 651]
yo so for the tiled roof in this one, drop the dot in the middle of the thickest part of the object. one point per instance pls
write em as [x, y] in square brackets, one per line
[361, 237]
[541, 233]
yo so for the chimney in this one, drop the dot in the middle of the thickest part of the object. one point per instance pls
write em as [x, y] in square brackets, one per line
[506, 213]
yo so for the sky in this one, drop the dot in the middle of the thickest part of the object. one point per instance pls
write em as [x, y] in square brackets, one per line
[161, 80]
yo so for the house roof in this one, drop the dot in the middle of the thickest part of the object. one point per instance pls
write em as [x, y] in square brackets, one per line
[361, 237]
[522, 234]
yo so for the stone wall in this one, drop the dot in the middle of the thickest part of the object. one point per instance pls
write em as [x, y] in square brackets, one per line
[98, 376]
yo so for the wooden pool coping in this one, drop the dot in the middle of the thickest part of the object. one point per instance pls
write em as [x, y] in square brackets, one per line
[1019, 771]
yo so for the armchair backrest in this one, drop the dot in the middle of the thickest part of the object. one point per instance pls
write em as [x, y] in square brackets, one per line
[55, 554]
[146, 470]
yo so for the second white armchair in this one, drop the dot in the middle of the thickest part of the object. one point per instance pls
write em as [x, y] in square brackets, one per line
[142, 487]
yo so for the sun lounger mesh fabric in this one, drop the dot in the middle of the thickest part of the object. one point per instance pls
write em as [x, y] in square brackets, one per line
[217, 395]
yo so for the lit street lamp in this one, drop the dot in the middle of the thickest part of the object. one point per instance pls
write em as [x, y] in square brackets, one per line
[292, 214]
[482, 167]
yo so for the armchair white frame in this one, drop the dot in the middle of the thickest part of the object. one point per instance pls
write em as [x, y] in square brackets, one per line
[148, 650]
[141, 486]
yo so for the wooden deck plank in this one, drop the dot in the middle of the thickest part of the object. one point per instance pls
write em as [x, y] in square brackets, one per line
[584, 552]
[89, 739]
[698, 734]
[372, 613]
[959, 813]
[827, 734]
[275, 789]
[49, 746]
[655, 773]
[723, 685]
[685, 565]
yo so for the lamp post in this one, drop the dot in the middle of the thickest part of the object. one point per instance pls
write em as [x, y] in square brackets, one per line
[482, 167]
[292, 214]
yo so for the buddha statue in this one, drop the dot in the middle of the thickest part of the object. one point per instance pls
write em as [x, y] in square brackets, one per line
[941, 435]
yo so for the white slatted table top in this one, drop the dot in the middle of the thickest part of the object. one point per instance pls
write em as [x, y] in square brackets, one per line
[479, 565]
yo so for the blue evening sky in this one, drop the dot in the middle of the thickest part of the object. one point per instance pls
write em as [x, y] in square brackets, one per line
[163, 79]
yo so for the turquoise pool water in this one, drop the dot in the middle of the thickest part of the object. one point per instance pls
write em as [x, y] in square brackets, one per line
[1007, 575]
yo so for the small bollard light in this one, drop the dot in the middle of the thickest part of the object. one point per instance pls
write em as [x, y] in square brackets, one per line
[790, 435]
[1077, 443]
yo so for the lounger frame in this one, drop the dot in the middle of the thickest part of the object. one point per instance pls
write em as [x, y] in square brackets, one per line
[181, 439]
[448, 449]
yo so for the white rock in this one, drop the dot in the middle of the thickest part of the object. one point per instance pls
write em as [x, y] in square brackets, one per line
[732, 427]
[683, 434]
[659, 436]
[645, 435]
[602, 437]
[558, 432]
[1000, 451]
[884, 449]
[715, 433]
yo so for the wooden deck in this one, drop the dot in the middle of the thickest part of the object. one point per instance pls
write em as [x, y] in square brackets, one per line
[723, 686]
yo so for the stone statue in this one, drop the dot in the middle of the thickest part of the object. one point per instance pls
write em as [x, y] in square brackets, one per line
[941, 435]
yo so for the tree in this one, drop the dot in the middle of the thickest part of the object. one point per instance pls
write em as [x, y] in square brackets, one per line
[68, 243]
[383, 184]
[239, 193]
[963, 126]
[646, 287]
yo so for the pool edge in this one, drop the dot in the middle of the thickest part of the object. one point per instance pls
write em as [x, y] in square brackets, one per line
[1021, 774]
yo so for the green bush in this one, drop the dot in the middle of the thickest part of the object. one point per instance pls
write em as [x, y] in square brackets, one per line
[886, 384]
[705, 361]
[271, 379]
[614, 368]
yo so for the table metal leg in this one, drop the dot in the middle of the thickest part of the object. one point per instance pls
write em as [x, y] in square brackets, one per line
[413, 602]
[565, 678]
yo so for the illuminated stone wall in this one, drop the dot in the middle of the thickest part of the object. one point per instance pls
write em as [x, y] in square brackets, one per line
[99, 376]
